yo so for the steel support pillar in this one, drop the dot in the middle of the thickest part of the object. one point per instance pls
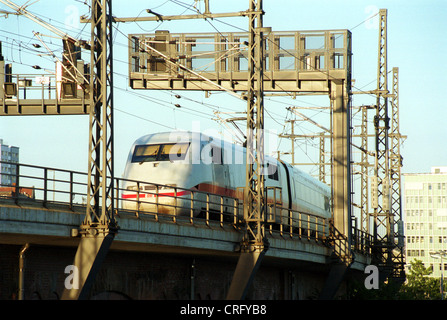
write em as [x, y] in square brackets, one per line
[247, 266]
[341, 258]
[91, 252]
[396, 184]
[254, 243]
[334, 279]
[99, 226]
[2, 73]
[341, 181]
[383, 220]
[322, 165]
[364, 192]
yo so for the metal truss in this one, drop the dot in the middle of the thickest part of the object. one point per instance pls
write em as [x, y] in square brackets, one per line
[294, 61]
[99, 227]
[381, 215]
[364, 207]
[52, 100]
[100, 198]
[254, 208]
[322, 163]
[398, 256]
[387, 210]
[254, 243]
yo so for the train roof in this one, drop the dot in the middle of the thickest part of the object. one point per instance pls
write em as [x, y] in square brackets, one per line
[179, 136]
[175, 137]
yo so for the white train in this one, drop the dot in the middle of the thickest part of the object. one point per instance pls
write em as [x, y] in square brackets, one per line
[177, 164]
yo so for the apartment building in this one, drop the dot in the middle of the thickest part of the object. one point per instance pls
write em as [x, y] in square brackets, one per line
[425, 216]
[8, 155]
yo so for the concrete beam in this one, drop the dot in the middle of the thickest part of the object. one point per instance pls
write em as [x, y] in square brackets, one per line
[54, 227]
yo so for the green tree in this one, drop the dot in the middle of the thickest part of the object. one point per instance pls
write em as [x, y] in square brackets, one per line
[419, 285]
[386, 291]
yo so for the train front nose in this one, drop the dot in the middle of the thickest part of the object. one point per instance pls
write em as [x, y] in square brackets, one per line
[156, 176]
[157, 199]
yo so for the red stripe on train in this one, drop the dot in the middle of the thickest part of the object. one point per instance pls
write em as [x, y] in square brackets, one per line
[151, 195]
[203, 187]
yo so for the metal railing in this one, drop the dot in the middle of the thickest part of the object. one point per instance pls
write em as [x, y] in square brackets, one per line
[55, 188]
[36, 185]
[33, 94]
[362, 242]
[227, 52]
[169, 60]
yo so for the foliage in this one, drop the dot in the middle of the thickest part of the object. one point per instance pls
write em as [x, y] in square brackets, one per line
[419, 286]
[386, 291]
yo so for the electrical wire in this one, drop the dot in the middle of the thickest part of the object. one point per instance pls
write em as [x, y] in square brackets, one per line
[178, 2]
[190, 7]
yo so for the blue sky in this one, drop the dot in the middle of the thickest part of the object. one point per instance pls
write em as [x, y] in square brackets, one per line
[416, 45]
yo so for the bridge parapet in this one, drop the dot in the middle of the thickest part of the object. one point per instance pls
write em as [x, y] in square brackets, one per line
[54, 210]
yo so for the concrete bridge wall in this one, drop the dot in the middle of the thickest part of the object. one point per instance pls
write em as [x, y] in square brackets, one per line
[153, 260]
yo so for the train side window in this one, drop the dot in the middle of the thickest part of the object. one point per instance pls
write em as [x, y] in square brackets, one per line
[272, 171]
[298, 189]
[216, 155]
[173, 152]
[157, 152]
[327, 205]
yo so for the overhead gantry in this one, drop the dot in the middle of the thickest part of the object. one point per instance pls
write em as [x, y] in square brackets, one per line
[292, 61]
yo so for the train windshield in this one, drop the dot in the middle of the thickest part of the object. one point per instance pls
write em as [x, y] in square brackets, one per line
[160, 152]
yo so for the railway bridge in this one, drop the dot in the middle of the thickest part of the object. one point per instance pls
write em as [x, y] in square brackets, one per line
[153, 255]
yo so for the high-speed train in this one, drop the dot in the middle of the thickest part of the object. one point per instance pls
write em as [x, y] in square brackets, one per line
[181, 168]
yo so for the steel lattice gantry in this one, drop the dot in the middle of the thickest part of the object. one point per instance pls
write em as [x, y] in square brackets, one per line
[387, 215]
[381, 124]
[254, 243]
[293, 61]
[396, 162]
[99, 226]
